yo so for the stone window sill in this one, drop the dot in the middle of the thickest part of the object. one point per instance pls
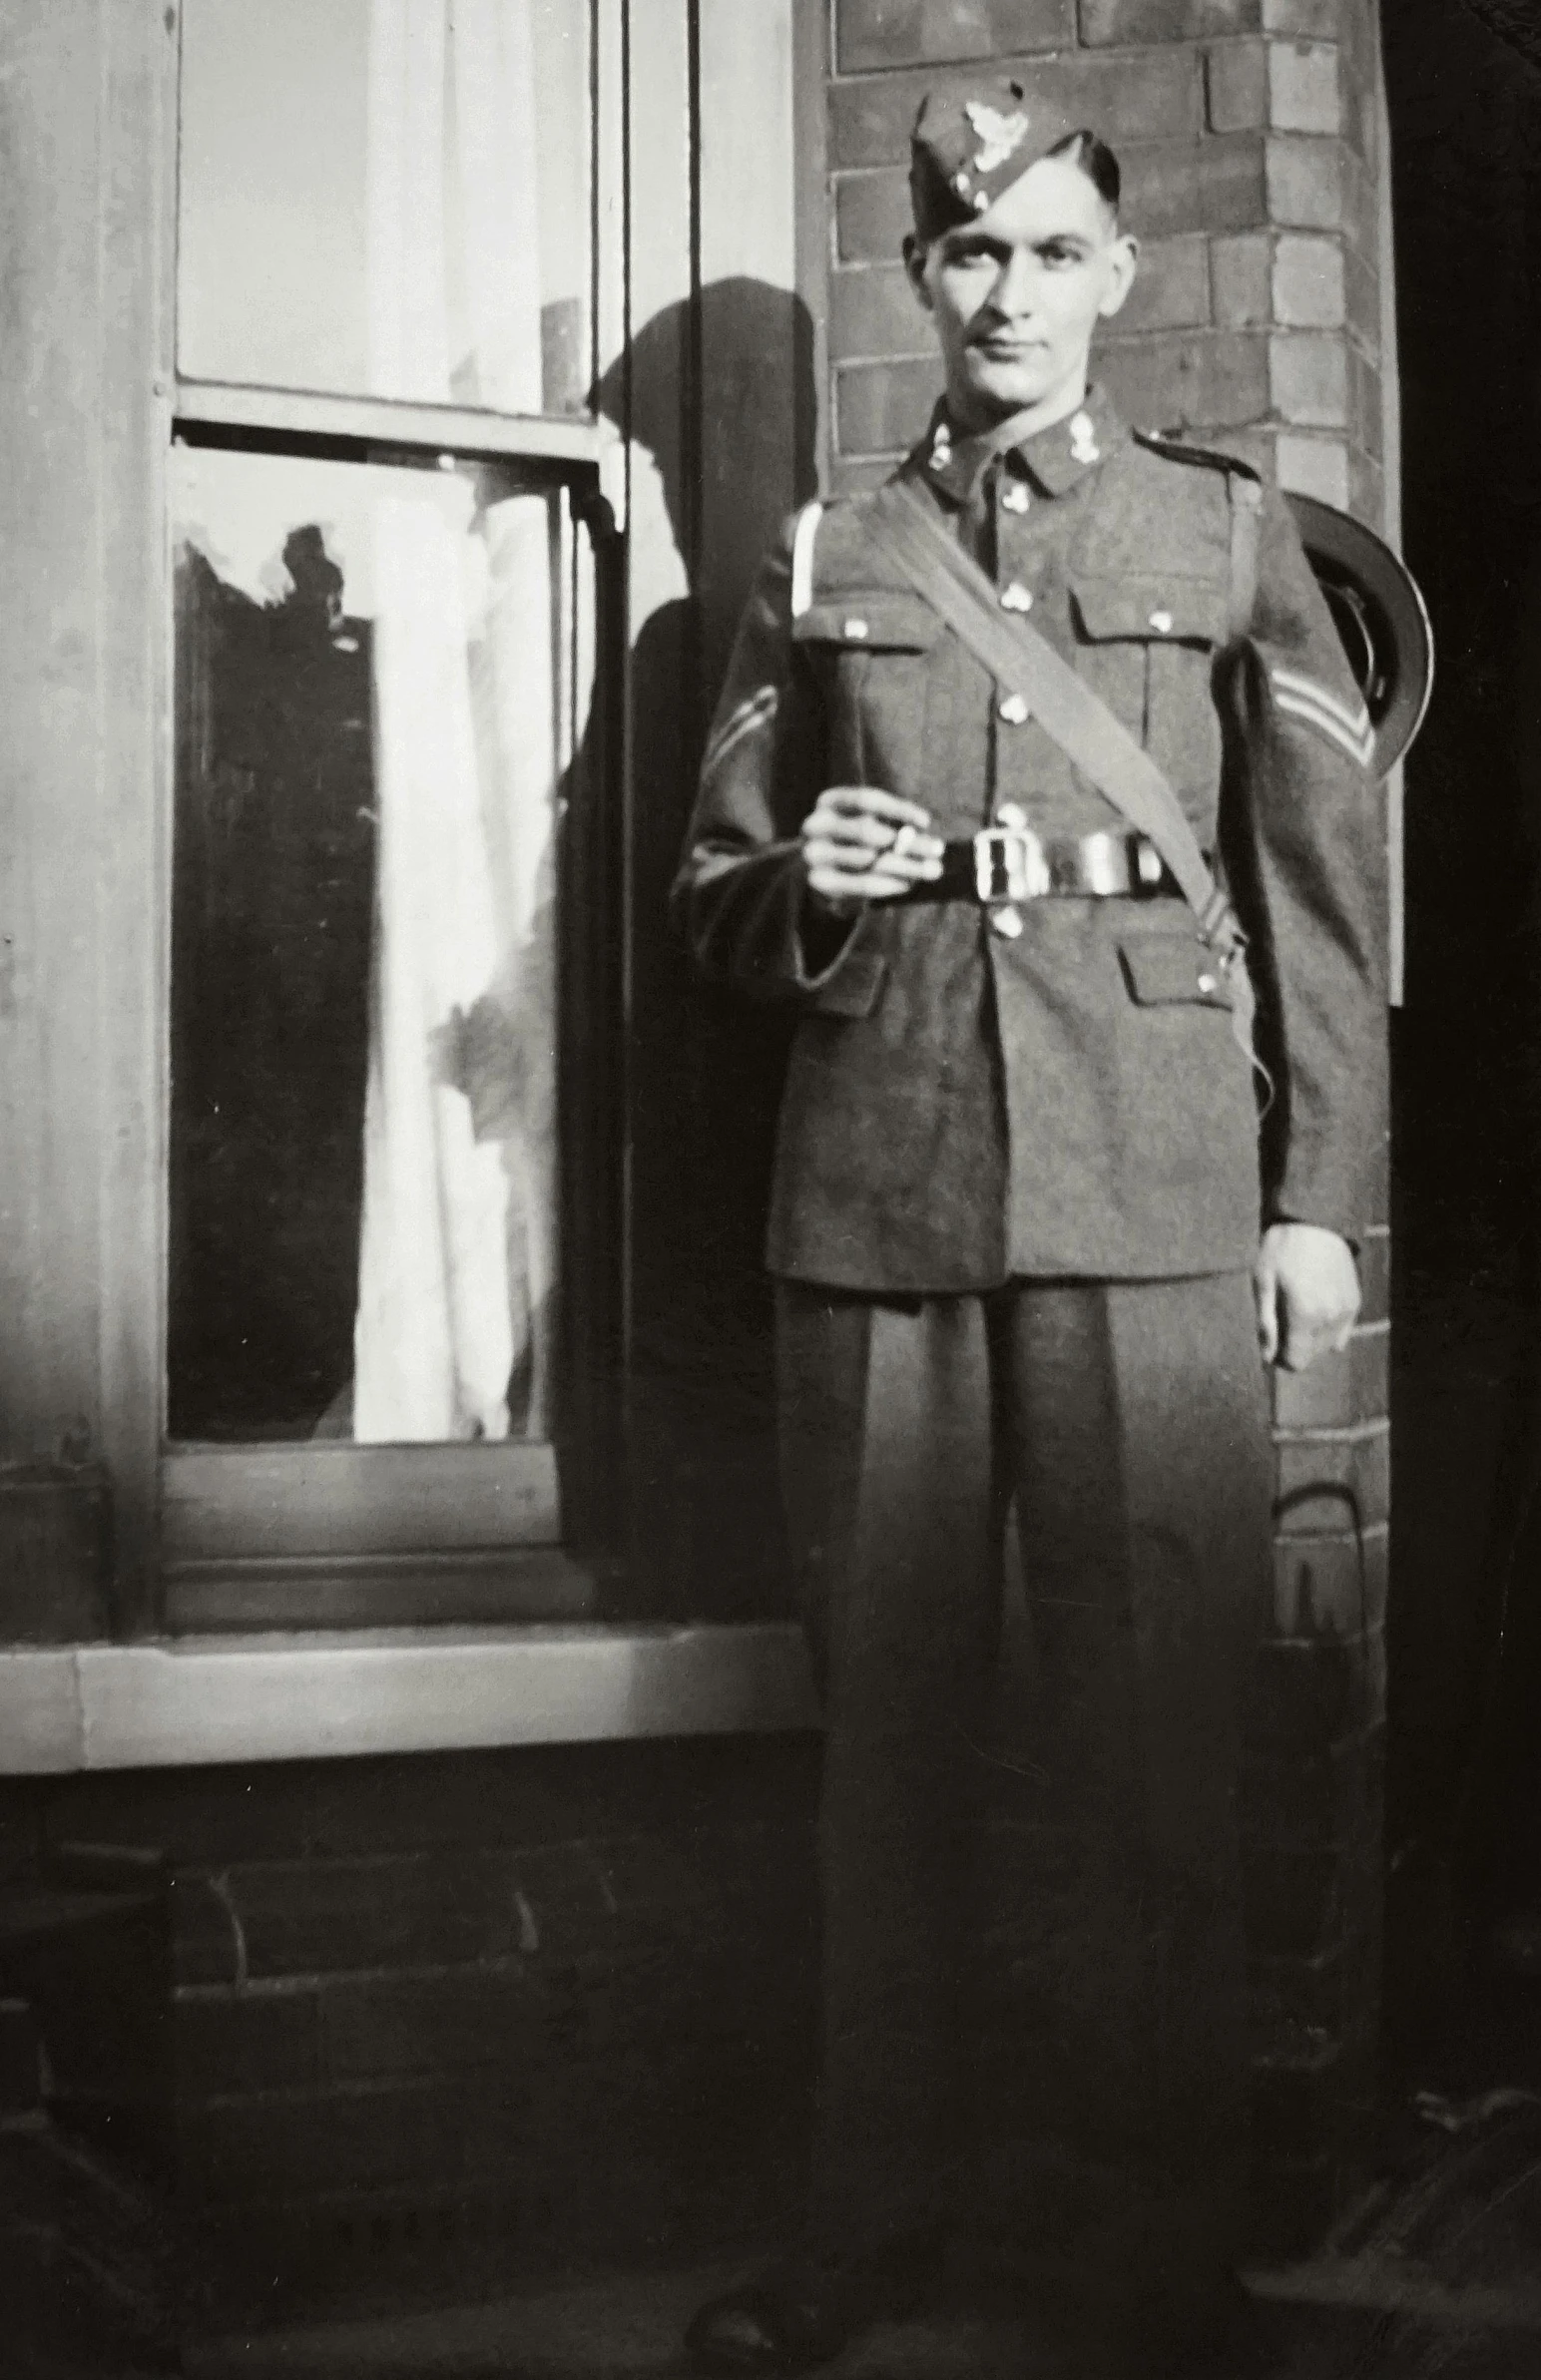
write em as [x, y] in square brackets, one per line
[193, 1701]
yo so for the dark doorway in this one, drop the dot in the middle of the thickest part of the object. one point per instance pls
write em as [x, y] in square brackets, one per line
[1465, 1798]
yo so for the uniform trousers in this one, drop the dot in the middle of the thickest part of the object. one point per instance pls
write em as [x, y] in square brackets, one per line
[1028, 1837]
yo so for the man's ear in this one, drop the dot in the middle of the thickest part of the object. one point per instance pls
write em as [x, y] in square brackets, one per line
[915, 252]
[1123, 264]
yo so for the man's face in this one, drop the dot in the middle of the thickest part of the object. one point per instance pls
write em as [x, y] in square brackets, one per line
[1016, 294]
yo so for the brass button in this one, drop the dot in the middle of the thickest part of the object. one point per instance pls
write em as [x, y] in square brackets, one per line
[1012, 814]
[856, 630]
[1016, 598]
[1006, 922]
[1161, 622]
[1014, 711]
[1015, 498]
[1206, 983]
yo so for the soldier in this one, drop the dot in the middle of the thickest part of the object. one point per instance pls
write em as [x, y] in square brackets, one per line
[1027, 1239]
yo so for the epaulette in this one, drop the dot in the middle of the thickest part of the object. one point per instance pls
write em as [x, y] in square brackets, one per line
[1244, 496]
[1208, 458]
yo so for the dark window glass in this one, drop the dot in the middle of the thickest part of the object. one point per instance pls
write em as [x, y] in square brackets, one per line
[370, 689]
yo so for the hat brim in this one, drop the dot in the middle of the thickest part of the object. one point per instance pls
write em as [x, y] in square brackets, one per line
[1381, 617]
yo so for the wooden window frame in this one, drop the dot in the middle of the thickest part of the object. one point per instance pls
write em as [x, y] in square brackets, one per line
[266, 1536]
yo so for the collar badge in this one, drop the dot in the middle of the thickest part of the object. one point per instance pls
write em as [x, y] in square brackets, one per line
[1000, 136]
[1082, 439]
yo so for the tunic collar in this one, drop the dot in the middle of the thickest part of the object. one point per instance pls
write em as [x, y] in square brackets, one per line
[1055, 459]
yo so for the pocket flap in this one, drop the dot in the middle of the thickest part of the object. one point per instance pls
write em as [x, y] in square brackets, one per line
[1166, 968]
[851, 991]
[1156, 610]
[869, 621]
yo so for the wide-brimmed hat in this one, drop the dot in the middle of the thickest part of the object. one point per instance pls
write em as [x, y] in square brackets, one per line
[1381, 617]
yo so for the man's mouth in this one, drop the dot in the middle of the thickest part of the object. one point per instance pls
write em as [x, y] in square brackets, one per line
[1002, 349]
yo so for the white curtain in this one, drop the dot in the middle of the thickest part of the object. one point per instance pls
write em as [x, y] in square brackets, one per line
[456, 1270]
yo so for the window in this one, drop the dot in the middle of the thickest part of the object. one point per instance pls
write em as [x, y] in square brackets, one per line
[392, 1232]
[388, 198]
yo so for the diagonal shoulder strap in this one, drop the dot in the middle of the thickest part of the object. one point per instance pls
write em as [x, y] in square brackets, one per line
[1246, 499]
[1065, 706]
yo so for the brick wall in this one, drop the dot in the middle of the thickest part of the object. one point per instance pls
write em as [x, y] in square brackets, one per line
[442, 2020]
[1248, 132]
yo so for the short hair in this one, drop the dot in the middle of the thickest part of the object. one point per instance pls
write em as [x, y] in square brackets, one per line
[1096, 161]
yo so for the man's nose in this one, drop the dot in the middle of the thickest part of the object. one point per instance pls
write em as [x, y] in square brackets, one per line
[1013, 292]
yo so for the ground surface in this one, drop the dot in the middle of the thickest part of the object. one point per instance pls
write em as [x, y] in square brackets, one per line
[1436, 2276]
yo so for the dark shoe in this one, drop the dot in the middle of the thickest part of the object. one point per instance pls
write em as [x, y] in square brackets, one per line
[766, 2326]
[799, 2314]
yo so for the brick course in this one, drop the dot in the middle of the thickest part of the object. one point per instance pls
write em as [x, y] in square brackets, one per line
[1339, 1390]
[1325, 1475]
[464, 2013]
[1188, 382]
[1313, 465]
[1214, 185]
[1157, 97]
[1106, 21]
[1320, 17]
[1172, 291]
[1241, 277]
[877, 33]
[1309, 379]
[1308, 284]
[1306, 182]
[872, 216]
[1236, 86]
[1305, 93]
[873, 312]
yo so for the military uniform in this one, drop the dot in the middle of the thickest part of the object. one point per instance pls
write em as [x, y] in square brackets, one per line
[1018, 1191]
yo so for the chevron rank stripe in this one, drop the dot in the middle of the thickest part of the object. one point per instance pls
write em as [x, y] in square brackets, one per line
[1315, 705]
[758, 712]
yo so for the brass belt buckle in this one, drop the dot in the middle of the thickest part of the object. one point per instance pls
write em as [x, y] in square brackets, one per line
[1010, 865]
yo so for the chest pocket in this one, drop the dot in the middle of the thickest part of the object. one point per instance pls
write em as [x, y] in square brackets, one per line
[872, 651]
[1148, 647]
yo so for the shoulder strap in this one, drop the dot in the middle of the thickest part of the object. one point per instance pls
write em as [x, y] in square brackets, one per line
[802, 539]
[1246, 495]
[1064, 706]
[1243, 494]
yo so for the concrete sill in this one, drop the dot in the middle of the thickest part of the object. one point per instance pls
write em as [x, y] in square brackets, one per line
[193, 1701]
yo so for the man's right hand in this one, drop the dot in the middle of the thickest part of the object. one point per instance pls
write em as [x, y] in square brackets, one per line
[861, 844]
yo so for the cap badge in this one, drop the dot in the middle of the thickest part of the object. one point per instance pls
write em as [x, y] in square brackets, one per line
[1000, 136]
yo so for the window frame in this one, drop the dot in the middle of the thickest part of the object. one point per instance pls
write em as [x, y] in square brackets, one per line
[454, 1534]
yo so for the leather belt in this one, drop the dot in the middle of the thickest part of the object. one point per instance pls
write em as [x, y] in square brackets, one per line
[1012, 863]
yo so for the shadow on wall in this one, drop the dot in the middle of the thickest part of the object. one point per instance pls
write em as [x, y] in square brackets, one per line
[720, 392]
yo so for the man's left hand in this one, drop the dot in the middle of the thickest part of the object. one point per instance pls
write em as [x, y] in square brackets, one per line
[1308, 1288]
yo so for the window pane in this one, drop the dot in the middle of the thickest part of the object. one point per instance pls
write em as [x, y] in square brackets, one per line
[369, 682]
[388, 198]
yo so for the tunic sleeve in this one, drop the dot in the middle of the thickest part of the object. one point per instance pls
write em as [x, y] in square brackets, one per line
[741, 896]
[1305, 848]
